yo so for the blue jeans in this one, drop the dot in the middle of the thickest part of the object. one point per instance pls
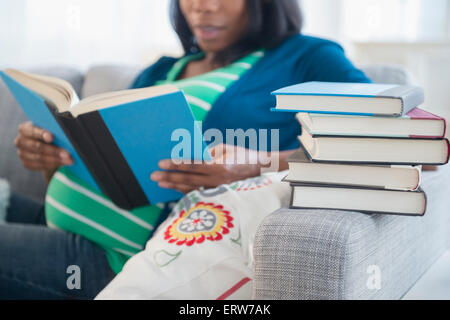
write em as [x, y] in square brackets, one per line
[37, 262]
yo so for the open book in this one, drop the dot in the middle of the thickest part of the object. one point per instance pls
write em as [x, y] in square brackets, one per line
[116, 139]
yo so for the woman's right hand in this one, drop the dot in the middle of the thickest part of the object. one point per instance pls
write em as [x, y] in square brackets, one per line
[36, 151]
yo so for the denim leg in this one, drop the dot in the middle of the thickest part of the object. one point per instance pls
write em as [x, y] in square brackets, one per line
[34, 262]
[24, 210]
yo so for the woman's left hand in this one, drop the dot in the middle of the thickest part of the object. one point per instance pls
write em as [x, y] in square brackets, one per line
[230, 163]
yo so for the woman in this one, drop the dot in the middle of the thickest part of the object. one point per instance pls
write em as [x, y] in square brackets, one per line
[236, 53]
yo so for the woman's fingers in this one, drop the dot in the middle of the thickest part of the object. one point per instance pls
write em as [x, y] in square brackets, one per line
[218, 151]
[180, 187]
[39, 157]
[36, 151]
[187, 179]
[187, 167]
[45, 163]
[27, 129]
[41, 149]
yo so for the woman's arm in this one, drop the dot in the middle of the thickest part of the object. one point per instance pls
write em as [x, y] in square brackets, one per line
[229, 164]
[329, 63]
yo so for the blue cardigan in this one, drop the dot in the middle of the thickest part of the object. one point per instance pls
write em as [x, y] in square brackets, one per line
[247, 103]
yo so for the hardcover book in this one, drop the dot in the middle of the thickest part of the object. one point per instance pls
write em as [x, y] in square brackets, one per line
[310, 196]
[349, 98]
[116, 139]
[375, 150]
[417, 123]
[303, 170]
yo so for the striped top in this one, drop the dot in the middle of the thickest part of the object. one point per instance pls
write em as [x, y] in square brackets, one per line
[72, 205]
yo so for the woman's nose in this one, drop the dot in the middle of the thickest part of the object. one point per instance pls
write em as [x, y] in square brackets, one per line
[206, 5]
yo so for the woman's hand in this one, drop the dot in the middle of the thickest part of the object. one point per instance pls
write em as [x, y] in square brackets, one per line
[229, 164]
[36, 151]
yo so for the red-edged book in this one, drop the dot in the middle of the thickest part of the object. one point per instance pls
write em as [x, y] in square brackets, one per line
[417, 123]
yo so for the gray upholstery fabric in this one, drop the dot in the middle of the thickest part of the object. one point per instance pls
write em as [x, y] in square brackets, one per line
[318, 254]
[105, 78]
[388, 74]
[11, 115]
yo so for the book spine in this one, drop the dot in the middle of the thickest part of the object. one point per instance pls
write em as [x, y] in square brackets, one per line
[425, 199]
[88, 152]
[113, 158]
[445, 127]
[411, 99]
[448, 151]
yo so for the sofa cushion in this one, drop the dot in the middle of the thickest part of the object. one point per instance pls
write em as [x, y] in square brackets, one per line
[105, 78]
[203, 250]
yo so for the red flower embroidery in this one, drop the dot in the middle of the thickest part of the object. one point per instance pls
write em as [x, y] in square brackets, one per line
[204, 221]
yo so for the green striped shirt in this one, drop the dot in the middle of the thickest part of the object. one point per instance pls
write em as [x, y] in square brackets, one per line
[72, 205]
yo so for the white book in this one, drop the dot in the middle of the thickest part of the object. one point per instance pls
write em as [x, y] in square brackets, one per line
[303, 170]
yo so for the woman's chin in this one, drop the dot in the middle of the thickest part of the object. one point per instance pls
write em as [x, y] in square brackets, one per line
[212, 46]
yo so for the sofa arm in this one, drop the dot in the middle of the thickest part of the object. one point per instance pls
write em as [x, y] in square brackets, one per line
[326, 254]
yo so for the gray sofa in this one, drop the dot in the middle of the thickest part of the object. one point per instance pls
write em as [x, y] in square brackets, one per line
[299, 254]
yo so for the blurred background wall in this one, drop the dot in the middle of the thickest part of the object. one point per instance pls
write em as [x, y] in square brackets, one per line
[80, 33]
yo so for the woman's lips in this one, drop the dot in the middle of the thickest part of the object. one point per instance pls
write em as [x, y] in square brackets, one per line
[208, 32]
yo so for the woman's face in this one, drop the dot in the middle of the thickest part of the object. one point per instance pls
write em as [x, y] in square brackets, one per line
[217, 24]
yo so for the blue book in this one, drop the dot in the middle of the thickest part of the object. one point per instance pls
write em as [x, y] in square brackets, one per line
[368, 99]
[116, 139]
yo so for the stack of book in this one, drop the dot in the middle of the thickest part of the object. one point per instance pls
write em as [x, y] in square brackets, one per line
[362, 146]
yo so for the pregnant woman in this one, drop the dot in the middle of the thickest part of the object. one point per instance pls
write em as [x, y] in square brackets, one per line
[236, 53]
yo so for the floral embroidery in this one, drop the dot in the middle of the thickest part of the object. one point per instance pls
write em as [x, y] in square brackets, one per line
[204, 221]
[251, 184]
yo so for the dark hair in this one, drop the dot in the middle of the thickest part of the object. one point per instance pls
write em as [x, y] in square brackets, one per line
[270, 23]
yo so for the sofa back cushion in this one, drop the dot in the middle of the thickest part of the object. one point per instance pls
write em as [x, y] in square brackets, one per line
[105, 78]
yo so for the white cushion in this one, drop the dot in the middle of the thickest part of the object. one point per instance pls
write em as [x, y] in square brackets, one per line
[180, 261]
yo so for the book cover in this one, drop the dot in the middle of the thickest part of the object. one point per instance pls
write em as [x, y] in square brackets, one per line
[115, 149]
[409, 97]
[37, 110]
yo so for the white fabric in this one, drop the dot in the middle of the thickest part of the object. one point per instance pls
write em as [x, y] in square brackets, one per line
[210, 269]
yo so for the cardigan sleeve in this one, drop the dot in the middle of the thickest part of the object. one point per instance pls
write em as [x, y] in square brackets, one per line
[328, 62]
